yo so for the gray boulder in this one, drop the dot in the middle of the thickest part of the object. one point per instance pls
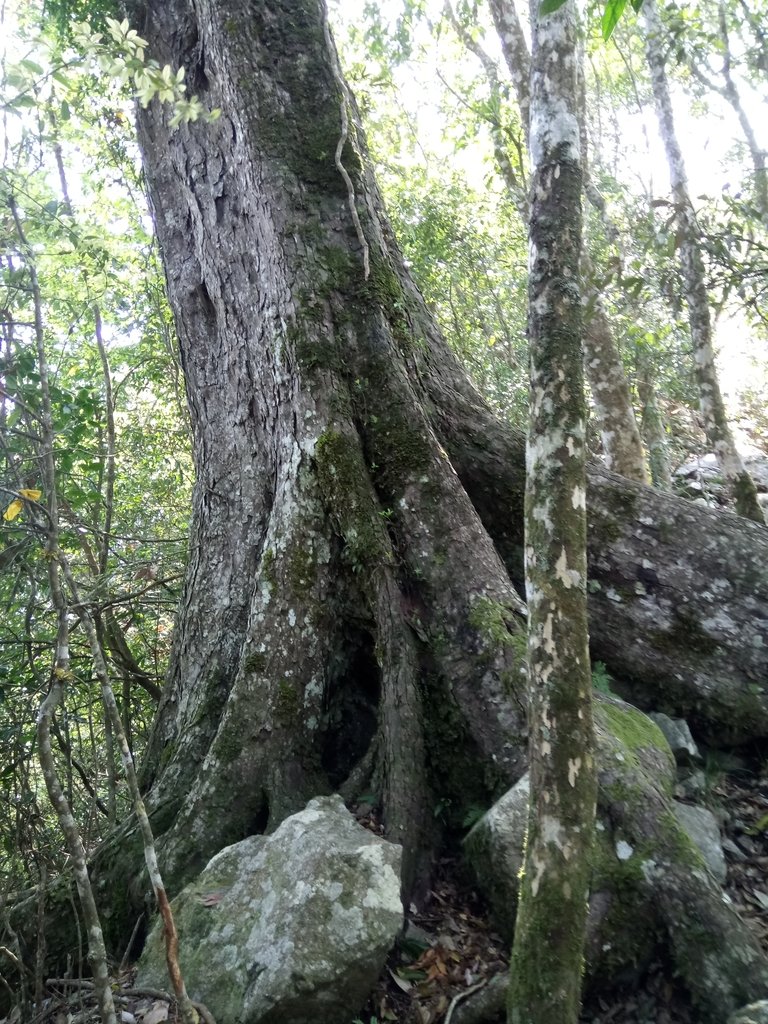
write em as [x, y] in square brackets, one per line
[678, 736]
[293, 927]
[755, 1013]
[702, 829]
[494, 850]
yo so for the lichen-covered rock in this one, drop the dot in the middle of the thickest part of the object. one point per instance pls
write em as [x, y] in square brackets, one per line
[293, 927]
[755, 1013]
[701, 827]
[494, 851]
[678, 736]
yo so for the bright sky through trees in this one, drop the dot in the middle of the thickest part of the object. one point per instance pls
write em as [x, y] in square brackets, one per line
[709, 133]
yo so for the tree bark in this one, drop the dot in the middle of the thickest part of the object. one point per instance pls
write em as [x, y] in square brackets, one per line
[294, 360]
[678, 597]
[336, 562]
[654, 429]
[349, 619]
[550, 929]
[622, 447]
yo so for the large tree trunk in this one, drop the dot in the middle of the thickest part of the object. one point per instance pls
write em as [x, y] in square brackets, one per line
[349, 619]
[340, 578]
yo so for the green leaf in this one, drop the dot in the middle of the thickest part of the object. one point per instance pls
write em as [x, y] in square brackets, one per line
[549, 6]
[29, 65]
[613, 11]
[760, 826]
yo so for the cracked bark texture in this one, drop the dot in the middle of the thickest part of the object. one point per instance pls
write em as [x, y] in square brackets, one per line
[349, 618]
[711, 404]
[330, 533]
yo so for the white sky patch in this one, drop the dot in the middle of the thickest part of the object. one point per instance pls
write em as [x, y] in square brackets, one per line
[579, 497]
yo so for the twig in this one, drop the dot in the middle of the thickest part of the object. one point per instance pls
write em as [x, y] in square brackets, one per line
[345, 102]
[129, 947]
[150, 993]
[460, 996]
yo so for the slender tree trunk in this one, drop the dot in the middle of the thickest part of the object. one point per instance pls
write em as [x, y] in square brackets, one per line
[604, 367]
[716, 424]
[654, 430]
[602, 361]
[516, 55]
[615, 416]
[548, 948]
[730, 93]
[61, 672]
[513, 178]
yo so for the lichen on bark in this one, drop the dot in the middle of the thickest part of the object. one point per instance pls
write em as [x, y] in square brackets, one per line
[547, 953]
[288, 351]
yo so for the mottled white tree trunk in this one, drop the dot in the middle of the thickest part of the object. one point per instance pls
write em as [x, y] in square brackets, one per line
[716, 424]
[654, 429]
[548, 950]
[604, 369]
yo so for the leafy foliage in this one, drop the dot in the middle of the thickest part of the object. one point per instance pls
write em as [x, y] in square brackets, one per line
[610, 17]
[122, 509]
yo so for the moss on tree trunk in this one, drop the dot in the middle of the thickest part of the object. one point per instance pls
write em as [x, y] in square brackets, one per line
[348, 619]
[548, 948]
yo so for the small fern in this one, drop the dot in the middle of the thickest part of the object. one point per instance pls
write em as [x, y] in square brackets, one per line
[472, 815]
[601, 680]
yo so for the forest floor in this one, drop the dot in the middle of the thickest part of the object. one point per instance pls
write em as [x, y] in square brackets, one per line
[434, 984]
[450, 952]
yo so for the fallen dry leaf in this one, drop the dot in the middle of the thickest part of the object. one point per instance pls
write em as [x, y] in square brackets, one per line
[157, 1013]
